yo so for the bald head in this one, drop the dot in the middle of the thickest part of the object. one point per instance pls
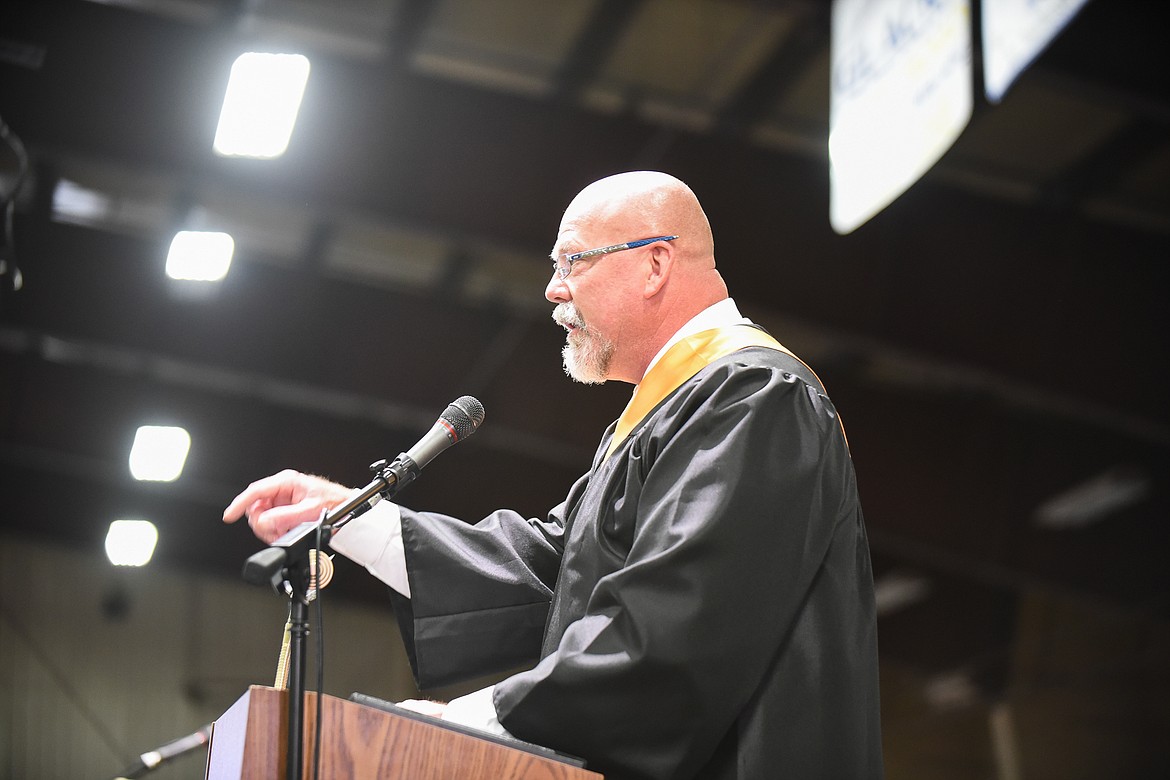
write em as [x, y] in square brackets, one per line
[644, 204]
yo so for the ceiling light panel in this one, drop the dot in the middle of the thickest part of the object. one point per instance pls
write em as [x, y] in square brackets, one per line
[159, 453]
[260, 104]
[131, 542]
[199, 256]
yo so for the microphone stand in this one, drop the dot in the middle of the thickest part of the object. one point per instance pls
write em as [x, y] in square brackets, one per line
[298, 582]
[285, 565]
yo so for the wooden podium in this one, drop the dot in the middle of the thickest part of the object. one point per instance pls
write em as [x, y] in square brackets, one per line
[359, 741]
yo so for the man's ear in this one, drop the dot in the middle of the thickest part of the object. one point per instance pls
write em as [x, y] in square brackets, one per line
[660, 266]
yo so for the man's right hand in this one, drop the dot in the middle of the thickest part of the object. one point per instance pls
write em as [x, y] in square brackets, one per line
[275, 504]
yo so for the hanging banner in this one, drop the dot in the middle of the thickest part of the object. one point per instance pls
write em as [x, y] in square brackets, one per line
[1014, 34]
[900, 95]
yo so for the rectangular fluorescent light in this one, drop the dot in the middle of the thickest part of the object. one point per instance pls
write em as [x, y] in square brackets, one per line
[260, 107]
[159, 453]
[200, 256]
[131, 542]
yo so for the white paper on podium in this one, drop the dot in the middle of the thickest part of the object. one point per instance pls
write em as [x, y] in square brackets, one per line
[1014, 34]
[901, 93]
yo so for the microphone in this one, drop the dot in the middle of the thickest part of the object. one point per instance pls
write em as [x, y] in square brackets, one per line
[460, 419]
[150, 761]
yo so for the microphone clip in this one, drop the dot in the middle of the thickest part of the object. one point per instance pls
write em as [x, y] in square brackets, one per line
[396, 474]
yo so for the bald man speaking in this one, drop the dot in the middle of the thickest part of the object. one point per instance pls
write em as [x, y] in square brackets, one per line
[701, 604]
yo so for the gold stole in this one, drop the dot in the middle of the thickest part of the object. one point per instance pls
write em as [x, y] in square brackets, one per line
[681, 362]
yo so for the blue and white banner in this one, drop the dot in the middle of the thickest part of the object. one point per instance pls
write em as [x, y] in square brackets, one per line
[901, 94]
[1014, 34]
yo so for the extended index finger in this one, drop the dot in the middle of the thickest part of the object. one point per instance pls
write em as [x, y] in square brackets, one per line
[269, 490]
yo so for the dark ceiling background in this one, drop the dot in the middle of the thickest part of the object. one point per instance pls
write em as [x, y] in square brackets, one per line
[995, 338]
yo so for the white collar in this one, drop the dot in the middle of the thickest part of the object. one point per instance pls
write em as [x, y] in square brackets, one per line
[717, 315]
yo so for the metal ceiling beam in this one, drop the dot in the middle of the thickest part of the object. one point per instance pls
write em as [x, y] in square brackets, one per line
[409, 25]
[593, 47]
[297, 396]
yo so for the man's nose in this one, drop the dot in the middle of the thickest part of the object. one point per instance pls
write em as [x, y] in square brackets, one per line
[557, 291]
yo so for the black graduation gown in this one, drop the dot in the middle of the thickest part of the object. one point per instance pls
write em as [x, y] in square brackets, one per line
[701, 605]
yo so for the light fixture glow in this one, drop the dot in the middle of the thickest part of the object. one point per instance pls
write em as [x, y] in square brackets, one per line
[200, 256]
[897, 590]
[79, 205]
[260, 106]
[131, 542]
[1094, 500]
[951, 691]
[159, 453]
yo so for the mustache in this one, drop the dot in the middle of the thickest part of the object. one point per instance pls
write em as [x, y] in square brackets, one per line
[567, 316]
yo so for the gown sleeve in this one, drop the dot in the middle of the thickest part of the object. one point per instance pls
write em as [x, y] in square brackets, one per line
[742, 486]
[480, 593]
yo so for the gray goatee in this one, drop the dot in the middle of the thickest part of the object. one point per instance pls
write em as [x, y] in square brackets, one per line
[587, 354]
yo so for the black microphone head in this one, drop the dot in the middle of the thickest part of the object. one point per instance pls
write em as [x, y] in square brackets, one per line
[464, 415]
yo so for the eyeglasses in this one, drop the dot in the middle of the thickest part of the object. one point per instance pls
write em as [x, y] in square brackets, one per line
[563, 265]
